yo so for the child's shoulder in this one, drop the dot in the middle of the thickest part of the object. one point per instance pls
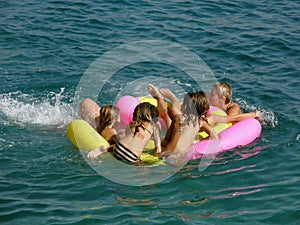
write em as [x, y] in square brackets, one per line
[234, 109]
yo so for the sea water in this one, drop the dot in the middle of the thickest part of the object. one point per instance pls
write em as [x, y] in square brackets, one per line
[46, 49]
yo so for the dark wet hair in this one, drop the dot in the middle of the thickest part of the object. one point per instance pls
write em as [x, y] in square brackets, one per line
[195, 103]
[145, 111]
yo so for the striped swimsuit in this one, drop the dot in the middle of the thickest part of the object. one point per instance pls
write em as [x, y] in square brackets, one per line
[124, 154]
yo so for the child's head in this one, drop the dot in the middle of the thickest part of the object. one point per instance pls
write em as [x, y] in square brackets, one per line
[195, 103]
[109, 114]
[145, 111]
[220, 90]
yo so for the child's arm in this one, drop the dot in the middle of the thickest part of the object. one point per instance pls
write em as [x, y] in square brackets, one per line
[110, 135]
[236, 118]
[156, 138]
[204, 126]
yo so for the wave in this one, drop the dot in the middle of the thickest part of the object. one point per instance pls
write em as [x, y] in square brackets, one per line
[24, 109]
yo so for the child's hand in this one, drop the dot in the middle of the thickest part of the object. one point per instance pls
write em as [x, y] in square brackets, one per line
[96, 152]
[258, 115]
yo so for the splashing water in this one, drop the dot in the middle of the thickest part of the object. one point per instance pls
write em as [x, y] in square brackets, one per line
[269, 117]
[25, 109]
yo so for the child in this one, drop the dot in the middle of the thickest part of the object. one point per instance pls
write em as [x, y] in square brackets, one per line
[220, 96]
[186, 120]
[187, 123]
[130, 147]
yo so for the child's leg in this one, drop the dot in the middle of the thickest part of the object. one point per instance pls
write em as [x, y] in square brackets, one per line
[168, 136]
[174, 100]
[162, 106]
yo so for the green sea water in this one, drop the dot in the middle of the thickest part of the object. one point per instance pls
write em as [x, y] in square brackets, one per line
[46, 49]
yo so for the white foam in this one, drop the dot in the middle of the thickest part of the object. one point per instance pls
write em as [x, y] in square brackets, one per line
[269, 117]
[25, 109]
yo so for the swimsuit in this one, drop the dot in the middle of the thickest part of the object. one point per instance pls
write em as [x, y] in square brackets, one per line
[143, 127]
[125, 154]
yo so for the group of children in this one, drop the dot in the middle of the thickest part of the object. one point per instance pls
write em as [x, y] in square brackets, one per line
[183, 122]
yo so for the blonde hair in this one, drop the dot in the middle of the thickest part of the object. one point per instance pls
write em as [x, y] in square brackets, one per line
[108, 116]
[223, 90]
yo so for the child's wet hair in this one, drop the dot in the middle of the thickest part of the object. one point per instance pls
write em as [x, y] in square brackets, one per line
[145, 111]
[196, 103]
[108, 115]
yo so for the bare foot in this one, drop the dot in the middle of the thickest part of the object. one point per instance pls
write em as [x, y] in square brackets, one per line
[96, 152]
[165, 92]
[154, 92]
[162, 106]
